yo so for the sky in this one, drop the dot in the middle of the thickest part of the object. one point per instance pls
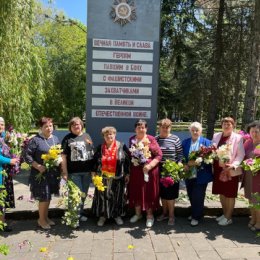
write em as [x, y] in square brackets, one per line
[75, 9]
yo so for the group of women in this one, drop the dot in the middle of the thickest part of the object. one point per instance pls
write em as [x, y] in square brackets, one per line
[129, 179]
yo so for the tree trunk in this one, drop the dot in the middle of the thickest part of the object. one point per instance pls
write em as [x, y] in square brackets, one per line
[212, 110]
[253, 83]
[238, 74]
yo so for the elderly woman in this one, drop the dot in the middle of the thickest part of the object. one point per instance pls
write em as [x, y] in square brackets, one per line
[228, 189]
[111, 161]
[43, 182]
[197, 184]
[252, 182]
[144, 182]
[170, 145]
[77, 159]
[5, 181]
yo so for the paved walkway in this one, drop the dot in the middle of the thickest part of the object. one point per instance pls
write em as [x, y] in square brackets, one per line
[131, 241]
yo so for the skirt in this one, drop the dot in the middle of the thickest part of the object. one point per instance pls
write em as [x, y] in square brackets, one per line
[43, 189]
[110, 203]
[169, 193]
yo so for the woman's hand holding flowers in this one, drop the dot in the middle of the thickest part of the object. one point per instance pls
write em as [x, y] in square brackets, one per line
[192, 163]
[14, 161]
[41, 168]
[186, 167]
[222, 164]
[147, 168]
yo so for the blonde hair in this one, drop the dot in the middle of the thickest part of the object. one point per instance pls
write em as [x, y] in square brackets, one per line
[108, 129]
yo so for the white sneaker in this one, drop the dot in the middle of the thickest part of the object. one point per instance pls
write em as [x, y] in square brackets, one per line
[189, 218]
[220, 218]
[119, 221]
[194, 222]
[135, 218]
[101, 221]
[224, 222]
[149, 222]
[83, 218]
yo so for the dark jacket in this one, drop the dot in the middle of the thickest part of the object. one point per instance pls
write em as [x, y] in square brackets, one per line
[123, 160]
[204, 174]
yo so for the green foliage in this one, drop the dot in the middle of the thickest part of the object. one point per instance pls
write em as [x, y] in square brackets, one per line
[61, 45]
[42, 64]
[174, 170]
[188, 30]
[4, 249]
[20, 74]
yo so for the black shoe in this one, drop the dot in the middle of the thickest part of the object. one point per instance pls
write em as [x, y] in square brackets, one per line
[7, 229]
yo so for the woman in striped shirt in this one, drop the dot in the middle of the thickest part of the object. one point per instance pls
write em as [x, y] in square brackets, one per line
[171, 147]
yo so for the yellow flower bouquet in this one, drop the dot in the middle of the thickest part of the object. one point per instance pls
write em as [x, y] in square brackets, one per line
[51, 160]
[98, 182]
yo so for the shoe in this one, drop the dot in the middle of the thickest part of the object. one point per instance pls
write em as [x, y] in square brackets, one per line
[220, 218]
[101, 221]
[189, 218]
[194, 222]
[149, 222]
[171, 222]
[254, 228]
[119, 221]
[135, 218]
[250, 225]
[45, 227]
[225, 222]
[51, 223]
[83, 218]
[161, 218]
[7, 229]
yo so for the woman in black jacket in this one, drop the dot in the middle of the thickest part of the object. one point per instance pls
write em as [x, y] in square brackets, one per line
[111, 162]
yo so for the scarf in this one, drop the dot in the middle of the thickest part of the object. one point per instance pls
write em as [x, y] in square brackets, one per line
[109, 159]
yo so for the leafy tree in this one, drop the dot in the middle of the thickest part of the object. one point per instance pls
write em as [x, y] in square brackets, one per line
[61, 44]
[204, 64]
[20, 73]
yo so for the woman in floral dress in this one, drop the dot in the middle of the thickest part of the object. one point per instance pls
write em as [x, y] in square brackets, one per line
[6, 181]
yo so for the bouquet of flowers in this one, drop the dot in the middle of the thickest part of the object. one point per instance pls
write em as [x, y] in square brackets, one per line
[51, 160]
[140, 152]
[71, 199]
[15, 141]
[172, 172]
[253, 164]
[11, 169]
[203, 155]
[223, 153]
[98, 182]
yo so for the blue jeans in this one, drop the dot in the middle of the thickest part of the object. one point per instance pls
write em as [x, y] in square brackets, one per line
[82, 180]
